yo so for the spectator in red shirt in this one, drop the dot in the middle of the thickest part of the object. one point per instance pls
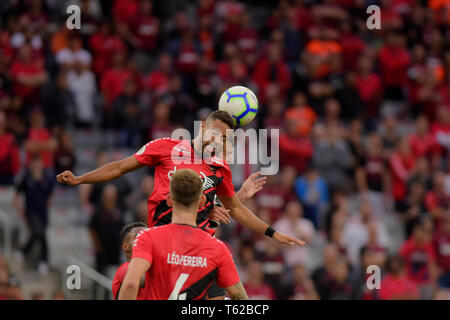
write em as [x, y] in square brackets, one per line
[28, 76]
[232, 70]
[295, 150]
[9, 154]
[40, 140]
[113, 80]
[441, 244]
[103, 45]
[255, 286]
[352, 46]
[143, 27]
[401, 165]
[423, 144]
[394, 60]
[158, 81]
[369, 86]
[396, 285]
[419, 255]
[272, 70]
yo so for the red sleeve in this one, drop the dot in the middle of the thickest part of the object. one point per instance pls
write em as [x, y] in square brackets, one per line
[142, 246]
[227, 274]
[226, 187]
[118, 279]
[151, 153]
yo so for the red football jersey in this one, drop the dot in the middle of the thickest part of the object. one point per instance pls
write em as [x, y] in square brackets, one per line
[118, 279]
[168, 155]
[184, 262]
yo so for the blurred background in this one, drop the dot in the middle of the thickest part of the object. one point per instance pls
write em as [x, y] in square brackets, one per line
[365, 132]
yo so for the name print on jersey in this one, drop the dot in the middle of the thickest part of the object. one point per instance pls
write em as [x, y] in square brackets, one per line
[187, 261]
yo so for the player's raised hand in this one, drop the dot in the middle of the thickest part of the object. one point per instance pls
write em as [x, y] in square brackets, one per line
[285, 239]
[220, 214]
[252, 185]
[67, 177]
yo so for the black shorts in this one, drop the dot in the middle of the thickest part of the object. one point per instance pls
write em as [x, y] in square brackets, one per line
[215, 291]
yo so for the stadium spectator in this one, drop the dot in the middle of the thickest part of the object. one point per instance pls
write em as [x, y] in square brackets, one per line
[37, 186]
[313, 191]
[40, 140]
[81, 83]
[420, 258]
[332, 158]
[303, 287]
[293, 223]
[255, 285]
[58, 103]
[105, 227]
[396, 285]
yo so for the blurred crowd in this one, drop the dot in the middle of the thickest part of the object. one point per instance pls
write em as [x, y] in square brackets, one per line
[364, 118]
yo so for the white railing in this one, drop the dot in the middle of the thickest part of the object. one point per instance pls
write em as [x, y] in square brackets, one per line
[7, 225]
[92, 274]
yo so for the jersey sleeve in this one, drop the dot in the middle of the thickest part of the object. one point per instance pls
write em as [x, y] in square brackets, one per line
[226, 187]
[142, 246]
[151, 153]
[227, 274]
[118, 279]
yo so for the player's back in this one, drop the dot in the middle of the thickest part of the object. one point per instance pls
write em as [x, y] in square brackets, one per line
[184, 261]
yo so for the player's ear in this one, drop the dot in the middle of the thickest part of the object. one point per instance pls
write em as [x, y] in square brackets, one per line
[125, 247]
[169, 200]
[202, 201]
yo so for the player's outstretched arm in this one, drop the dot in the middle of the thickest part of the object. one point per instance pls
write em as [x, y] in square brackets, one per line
[243, 215]
[237, 292]
[107, 172]
[130, 286]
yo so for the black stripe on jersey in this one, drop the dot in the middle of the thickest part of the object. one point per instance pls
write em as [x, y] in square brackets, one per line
[199, 287]
[163, 213]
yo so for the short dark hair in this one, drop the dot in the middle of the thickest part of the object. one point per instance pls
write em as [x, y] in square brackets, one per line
[223, 116]
[185, 187]
[127, 229]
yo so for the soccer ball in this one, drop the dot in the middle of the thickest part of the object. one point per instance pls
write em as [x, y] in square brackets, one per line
[241, 103]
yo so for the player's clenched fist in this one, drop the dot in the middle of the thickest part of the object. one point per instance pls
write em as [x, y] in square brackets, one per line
[285, 239]
[67, 177]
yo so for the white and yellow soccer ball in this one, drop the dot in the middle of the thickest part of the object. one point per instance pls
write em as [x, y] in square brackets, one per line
[241, 103]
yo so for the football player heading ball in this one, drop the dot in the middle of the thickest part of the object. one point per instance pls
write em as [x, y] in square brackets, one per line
[217, 179]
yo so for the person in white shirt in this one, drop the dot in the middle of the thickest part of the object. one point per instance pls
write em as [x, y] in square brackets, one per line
[293, 224]
[81, 82]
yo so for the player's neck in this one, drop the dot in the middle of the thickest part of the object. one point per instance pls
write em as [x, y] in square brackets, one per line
[184, 217]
